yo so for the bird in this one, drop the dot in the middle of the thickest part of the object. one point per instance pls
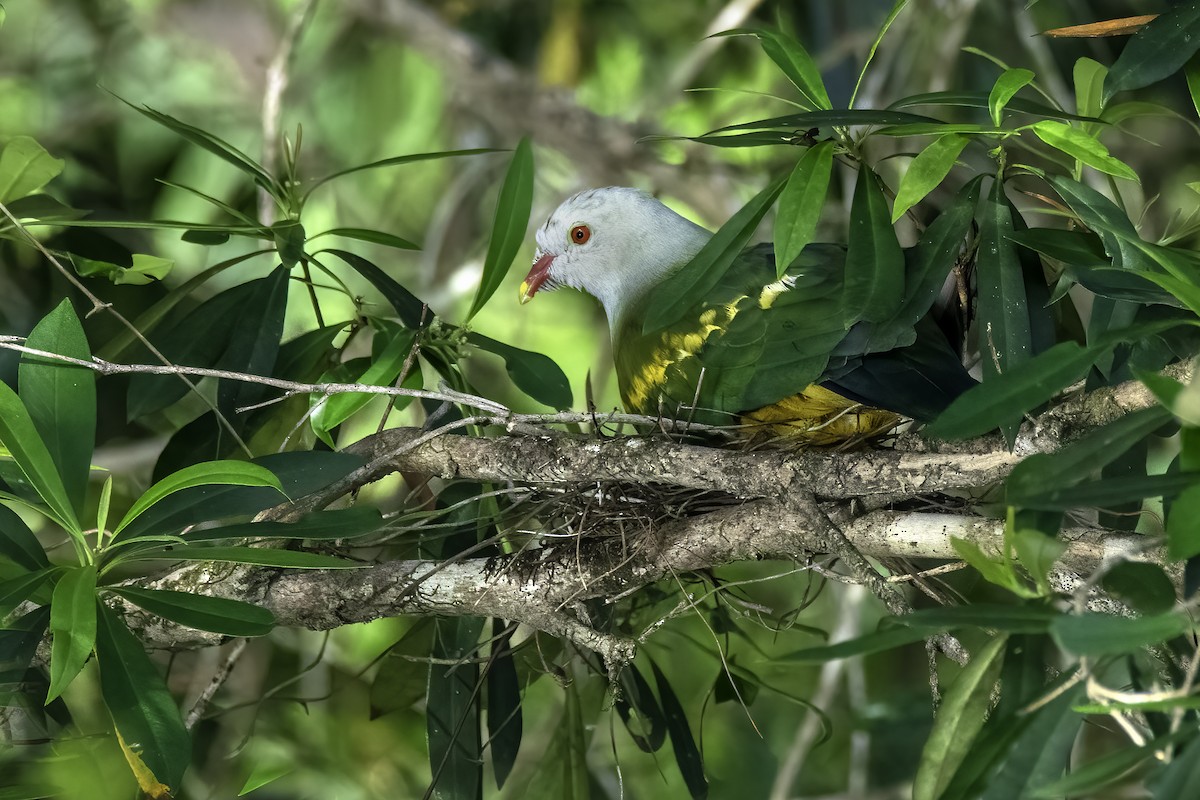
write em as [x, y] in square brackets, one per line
[765, 353]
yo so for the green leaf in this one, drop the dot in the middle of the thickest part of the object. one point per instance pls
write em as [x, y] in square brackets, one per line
[640, 711]
[25, 445]
[372, 236]
[533, 373]
[15, 591]
[73, 626]
[289, 238]
[840, 117]
[331, 411]
[1092, 634]
[1192, 74]
[1160, 48]
[1037, 553]
[396, 161]
[1142, 586]
[800, 204]
[18, 543]
[863, 645]
[1082, 146]
[793, 60]
[993, 568]
[1093, 778]
[25, 167]
[1183, 532]
[216, 614]
[926, 171]
[1009, 83]
[412, 312]
[1088, 78]
[149, 726]
[143, 270]
[214, 145]
[687, 755]
[504, 722]
[1004, 323]
[989, 616]
[225, 473]
[959, 720]
[1069, 247]
[508, 228]
[452, 711]
[400, 682]
[345, 523]
[1111, 492]
[699, 275]
[874, 282]
[979, 99]
[300, 473]
[897, 7]
[1074, 463]
[61, 397]
[287, 559]
[981, 409]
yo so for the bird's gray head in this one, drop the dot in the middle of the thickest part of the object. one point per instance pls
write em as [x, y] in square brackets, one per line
[613, 243]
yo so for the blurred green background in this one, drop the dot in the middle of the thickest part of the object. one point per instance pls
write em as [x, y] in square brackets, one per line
[586, 79]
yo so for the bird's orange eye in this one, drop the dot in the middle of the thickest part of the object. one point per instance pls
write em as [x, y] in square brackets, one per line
[580, 234]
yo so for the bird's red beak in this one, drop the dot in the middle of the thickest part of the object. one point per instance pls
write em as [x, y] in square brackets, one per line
[537, 276]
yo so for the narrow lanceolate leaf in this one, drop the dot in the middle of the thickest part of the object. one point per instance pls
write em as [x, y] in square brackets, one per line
[1006, 396]
[687, 755]
[262, 556]
[396, 161]
[452, 711]
[800, 204]
[1089, 91]
[793, 60]
[344, 523]
[15, 591]
[333, 410]
[61, 397]
[682, 290]
[1192, 73]
[412, 312]
[216, 614]
[1157, 50]
[226, 473]
[25, 167]
[72, 625]
[372, 236]
[897, 7]
[1074, 463]
[508, 229]
[212, 144]
[1004, 327]
[149, 727]
[534, 374]
[874, 286]
[1183, 534]
[1082, 146]
[25, 445]
[1094, 634]
[926, 171]
[1008, 84]
[959, 720]
[504, 720]
[17, 542]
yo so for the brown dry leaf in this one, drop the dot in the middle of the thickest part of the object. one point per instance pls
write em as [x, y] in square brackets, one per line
[1109, 27]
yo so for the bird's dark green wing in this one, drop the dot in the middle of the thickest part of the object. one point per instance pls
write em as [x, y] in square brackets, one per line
[756, 340]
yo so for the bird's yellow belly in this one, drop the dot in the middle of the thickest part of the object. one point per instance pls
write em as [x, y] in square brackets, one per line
[820, 417]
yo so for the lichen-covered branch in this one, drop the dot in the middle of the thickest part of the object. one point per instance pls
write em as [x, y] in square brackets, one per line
[791, 506]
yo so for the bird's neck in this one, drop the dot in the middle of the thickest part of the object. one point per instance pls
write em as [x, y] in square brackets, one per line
[649, 261]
